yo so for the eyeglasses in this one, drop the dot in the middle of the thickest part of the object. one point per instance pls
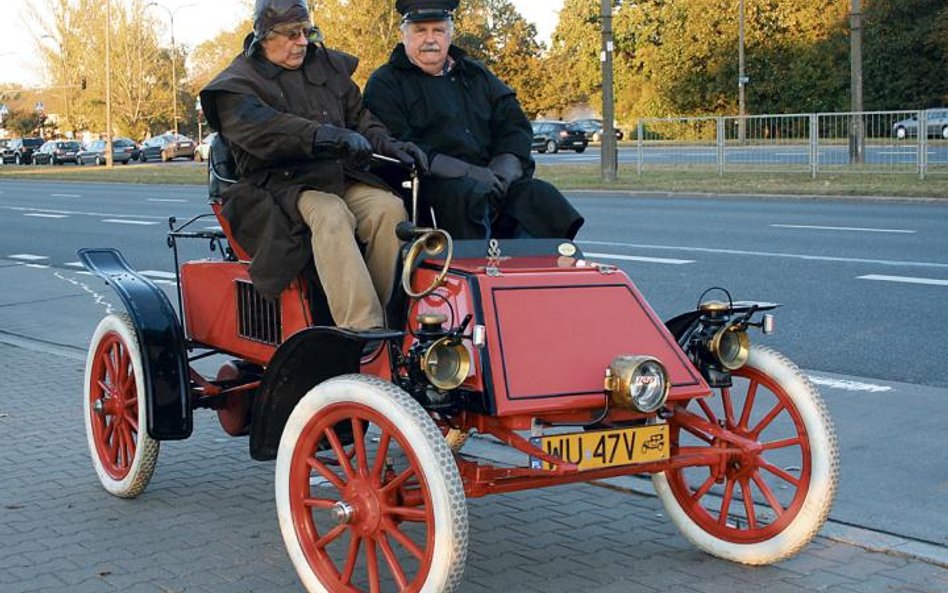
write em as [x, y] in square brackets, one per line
[309, 32]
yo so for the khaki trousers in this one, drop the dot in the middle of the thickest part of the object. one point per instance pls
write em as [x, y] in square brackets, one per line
[355, 288]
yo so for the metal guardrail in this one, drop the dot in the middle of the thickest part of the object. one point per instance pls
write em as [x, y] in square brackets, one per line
[865, 142]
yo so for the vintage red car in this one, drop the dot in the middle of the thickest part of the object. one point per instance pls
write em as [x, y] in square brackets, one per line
[527, 341]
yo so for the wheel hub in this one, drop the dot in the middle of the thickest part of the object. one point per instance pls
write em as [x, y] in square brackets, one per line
[341, 513]
[364, 507]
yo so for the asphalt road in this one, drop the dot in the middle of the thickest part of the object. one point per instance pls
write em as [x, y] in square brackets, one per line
[864, 286]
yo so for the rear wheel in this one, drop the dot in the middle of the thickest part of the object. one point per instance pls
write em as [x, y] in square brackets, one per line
[944, 132]
[766, 482]
[368, 494]
[580, 149]
[552, 147]
[901, 133]
[123, 454]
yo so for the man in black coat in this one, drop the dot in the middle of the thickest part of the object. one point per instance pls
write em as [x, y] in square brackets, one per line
[301, 139]
[472, 129]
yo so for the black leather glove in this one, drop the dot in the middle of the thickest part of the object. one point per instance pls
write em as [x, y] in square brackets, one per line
[406, 152]
[507, 168]
[451, 168]
[346, 144]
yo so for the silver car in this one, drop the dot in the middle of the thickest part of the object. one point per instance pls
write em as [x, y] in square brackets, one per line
[937, 125]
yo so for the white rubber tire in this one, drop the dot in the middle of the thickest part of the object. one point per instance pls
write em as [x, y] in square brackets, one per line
[425, 439]
[824, 476]
[145, 457]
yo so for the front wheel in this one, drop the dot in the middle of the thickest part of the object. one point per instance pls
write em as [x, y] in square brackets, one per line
[761, 488]
[944, 132]
[123, 454]
[552, 147]
[368, 494]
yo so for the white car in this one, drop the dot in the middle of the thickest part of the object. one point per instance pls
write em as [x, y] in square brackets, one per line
[937, 125]
[203, 150]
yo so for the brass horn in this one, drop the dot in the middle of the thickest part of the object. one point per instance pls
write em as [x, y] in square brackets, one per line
[432, 242]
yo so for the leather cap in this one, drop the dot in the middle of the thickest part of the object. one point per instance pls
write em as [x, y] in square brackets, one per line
[426, 10]
[268, 14]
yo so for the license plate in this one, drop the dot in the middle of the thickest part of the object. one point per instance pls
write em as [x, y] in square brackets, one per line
[605, 448]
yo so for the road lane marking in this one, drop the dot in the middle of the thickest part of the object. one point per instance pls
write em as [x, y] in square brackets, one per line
[841, 228]
[214, 228]
[65, 195]
[41, 215]
[847, 385]
[74, 264]
[28, 257]
[78, 212]
[904, 279]
[123, 221]
[825, 258]
[176, 201]
[157, 274]
[649, 260]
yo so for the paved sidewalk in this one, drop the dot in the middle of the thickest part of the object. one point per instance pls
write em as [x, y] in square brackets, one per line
[207, 522]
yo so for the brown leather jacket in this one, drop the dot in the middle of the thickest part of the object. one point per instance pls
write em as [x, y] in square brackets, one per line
[269, 116]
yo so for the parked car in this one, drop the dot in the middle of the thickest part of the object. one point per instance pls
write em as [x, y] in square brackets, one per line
[6, 153]
[551, 136]
[57, 152]
[94, 154]
[167, 147]
[593, 129]
[23, 148]
[937, 125]
[203, 150]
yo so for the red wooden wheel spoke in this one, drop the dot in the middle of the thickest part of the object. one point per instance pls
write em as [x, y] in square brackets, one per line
[782, 444]
[748, 404]
[700, 492]
[129, 445]
[749, 504]
[103, 386]
[393, 562]
[786, 476]
[404, 540]
[766, 420]
[352, 555]
[399, 481]
[325, 472]
[109, 431]
[110, 371]
[319, 503]
[380, 455]
[331, 536]
[728, 407]
[372, 565]
[697, 434]
[340, 452]
[415, 514]
[726, 502]
[768, 494]
[708, 411]
[358, 437]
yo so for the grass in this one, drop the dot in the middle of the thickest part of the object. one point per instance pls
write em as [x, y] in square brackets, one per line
[706, 180]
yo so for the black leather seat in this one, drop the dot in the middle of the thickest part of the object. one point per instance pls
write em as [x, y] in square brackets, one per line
[221, 169]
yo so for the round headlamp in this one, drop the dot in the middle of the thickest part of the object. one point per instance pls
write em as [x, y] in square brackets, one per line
[731, 347]
[637, 382]
[446, 363]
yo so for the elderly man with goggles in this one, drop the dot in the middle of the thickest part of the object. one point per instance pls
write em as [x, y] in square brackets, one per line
[301, 138]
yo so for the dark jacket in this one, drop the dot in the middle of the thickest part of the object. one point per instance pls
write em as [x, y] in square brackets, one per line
[471, 115]
[269, 116]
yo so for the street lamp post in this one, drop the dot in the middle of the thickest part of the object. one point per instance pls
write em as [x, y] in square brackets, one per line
[741, 76]
[609, 154]
[174, 67]
[108, 85]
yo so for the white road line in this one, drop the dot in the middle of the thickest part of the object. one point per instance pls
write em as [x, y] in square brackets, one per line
[74, 264]
[649, 260]
[157, 274]
[28, 257]
[138, 222]
[41, 215]
[38, 266]
[65, 195]
[841, 228]
[77, 212]
[176, 201]
[826, 258]
[847, 385]
[214, 228]
[904, 279]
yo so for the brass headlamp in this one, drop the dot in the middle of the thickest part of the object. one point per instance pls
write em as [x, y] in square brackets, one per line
[637, 382]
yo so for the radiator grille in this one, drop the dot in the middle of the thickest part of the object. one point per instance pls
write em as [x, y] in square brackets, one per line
[257, 318]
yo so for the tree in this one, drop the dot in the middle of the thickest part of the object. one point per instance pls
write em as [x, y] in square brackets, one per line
[25, 123]
[906, 54]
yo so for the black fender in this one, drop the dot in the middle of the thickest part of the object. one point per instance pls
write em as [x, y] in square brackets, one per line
[308, 358]
[680, 325]
[164, 357]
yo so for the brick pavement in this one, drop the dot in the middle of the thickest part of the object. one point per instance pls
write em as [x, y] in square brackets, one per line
[207, 524]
